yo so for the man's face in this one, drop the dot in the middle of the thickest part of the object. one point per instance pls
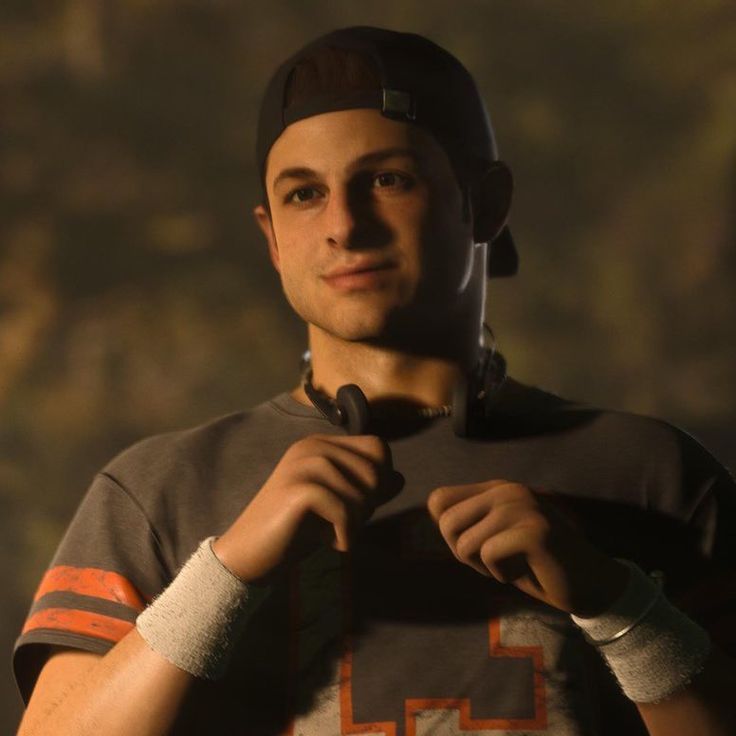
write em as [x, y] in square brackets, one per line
[353, 189]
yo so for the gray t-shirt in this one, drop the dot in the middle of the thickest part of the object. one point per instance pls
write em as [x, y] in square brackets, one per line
[397, 637]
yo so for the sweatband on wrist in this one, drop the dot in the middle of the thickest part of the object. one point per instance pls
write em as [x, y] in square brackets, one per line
[652, 648]
[196, 621]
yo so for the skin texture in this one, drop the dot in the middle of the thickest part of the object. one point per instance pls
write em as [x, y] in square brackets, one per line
[408, 335]
[506, 531]
[407, 332]
[322, 491]
[405, 336]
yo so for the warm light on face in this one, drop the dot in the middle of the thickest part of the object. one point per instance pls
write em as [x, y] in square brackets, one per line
[353, 189]
[396, 155]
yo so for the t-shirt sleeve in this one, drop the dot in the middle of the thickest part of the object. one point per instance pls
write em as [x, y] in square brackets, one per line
[106, 569]
[699, 493]
[711, 595]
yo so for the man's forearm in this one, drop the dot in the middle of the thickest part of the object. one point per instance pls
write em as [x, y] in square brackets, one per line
[130, 690]
[707, 706]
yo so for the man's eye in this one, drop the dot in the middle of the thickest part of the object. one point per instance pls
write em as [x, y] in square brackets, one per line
[303, 194]
[389, 179]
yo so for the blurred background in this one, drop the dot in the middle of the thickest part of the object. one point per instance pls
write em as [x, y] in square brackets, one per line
[136, 295]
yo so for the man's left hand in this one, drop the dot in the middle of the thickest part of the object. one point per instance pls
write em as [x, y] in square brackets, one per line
[507, 531]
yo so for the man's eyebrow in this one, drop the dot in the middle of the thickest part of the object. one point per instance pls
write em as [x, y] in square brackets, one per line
[374, 157]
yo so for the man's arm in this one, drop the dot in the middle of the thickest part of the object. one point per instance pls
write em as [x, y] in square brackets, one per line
[504, 530]
[706, 706]
[129, 690]
[333, 481]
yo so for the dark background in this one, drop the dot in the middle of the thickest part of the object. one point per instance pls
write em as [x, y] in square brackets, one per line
[136, 295]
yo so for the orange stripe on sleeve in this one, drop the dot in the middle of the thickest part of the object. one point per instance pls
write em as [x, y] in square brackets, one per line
[93, 582]
[79, 622]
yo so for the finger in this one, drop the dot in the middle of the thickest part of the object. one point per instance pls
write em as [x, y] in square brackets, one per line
[441, 499]
[370, 446]
[457, 519]
[371, 458]
[330, 507]
[469, 542]
[506, 555]
[501, 502]
[379, 482]
[360, 501]
[342, 468]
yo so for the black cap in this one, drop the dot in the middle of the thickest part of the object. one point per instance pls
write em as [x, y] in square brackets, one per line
[421, 83]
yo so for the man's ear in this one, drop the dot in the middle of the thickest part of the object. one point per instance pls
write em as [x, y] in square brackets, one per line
[263, 218]
[491, 198]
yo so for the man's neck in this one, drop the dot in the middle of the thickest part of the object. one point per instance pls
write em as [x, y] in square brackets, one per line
[383, 373]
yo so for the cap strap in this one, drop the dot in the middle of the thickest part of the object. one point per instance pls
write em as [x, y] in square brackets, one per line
[331, 102]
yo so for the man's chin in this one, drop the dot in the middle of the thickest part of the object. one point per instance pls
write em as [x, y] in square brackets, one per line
[357, 329]
[357, 334]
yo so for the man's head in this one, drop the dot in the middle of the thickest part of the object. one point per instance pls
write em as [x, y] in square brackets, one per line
[334, 196]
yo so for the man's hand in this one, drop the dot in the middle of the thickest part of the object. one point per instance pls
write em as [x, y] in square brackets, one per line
[324, 488]
[506, 531]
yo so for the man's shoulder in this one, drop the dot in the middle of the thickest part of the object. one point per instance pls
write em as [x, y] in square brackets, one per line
[164, 448]
[601, 434]
[195, 452]
[528, 402]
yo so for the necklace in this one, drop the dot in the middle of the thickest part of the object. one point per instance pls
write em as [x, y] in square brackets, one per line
[387, 410]
[478, 390]
[430, 412]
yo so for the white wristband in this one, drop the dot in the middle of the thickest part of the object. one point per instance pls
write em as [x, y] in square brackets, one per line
[652, 648]
[196, 621]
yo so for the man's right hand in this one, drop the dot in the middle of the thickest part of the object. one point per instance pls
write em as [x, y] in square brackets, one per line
[323, 483]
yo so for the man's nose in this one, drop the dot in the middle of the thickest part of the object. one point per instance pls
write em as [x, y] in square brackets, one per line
[340, 217]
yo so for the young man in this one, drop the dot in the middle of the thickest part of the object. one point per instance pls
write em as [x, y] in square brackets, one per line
[469, 559]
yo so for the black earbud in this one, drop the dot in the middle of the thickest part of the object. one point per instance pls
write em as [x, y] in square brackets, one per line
[349, 410]
[353, 406]
[472, 398]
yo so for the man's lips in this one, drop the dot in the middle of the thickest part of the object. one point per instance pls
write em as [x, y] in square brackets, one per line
[358, 268]
[363, 276]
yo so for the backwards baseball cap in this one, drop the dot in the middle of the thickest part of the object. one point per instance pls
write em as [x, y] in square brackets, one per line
[420, 83]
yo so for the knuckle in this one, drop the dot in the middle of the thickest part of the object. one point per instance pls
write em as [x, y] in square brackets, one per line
[486, 551]
[446, 524]
[320, 464]
[355, 498]
[309, 471]
[535, 518]
[538, 529]
[487, 556]
[300, 499]
[465, 550]
[436, 500]
[303, 446]
[377, 447]
[309, 492]
[519, 491]
[291, 451]
[370, 475]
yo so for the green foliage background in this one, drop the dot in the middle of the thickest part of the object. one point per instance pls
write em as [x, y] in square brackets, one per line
[136, 295]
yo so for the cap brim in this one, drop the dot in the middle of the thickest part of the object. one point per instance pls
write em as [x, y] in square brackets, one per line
[503, 260]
